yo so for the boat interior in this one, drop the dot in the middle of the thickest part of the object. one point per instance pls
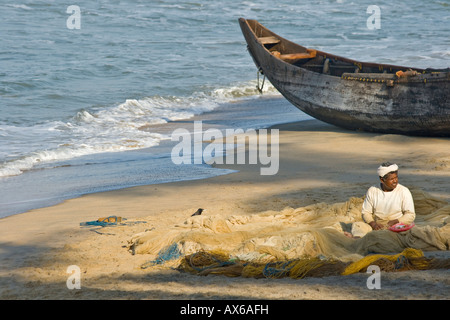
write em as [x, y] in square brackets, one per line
[322, 62]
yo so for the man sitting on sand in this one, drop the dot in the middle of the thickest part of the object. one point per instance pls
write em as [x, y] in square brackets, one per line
[385, 204]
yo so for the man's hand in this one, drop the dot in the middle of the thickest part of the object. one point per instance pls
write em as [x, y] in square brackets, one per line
[392, 222]
[376, 226]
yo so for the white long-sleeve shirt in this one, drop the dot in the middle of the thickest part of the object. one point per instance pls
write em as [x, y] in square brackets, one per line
[386, 206]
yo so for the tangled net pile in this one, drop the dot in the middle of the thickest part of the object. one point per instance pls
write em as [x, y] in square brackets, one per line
[298, 243]
[205, 263]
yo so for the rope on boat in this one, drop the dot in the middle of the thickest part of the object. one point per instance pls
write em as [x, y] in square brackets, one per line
[260, 89]
[395, 79]
[365, 79]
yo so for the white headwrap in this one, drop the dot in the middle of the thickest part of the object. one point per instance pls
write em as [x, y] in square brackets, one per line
[382, 171]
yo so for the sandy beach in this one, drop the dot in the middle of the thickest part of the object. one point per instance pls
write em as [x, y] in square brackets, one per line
[318, 163]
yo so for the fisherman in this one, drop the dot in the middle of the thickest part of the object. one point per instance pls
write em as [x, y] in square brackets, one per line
[385, 204]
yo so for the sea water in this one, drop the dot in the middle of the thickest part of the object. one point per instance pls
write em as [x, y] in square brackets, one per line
[90, 90]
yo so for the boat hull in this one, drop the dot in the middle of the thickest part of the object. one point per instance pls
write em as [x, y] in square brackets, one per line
[418, 106]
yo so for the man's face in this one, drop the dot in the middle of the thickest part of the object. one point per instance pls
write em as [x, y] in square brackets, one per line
[391, 182]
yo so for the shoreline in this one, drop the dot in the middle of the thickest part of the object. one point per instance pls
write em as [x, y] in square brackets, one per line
[318, 163]
[117, 170]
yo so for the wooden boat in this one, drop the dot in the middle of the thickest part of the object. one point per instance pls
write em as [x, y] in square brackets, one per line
[352, 94]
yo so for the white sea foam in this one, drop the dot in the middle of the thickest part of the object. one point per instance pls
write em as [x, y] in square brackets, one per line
[110, 129]
[19, 6]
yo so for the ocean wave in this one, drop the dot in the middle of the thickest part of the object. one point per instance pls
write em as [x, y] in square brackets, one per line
[110, 129]
[19, 6]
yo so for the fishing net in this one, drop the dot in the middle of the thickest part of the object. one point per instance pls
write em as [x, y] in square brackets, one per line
[206, 263]
[297, 242]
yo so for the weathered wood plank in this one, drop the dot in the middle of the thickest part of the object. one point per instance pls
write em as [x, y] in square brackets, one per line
[269, 40]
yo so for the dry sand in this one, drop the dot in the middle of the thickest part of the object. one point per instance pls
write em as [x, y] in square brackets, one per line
[318, 163]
